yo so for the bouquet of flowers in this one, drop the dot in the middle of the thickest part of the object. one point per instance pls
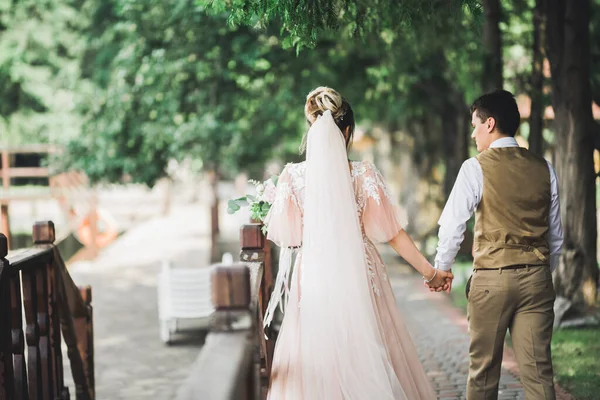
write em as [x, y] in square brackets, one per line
[260, 203]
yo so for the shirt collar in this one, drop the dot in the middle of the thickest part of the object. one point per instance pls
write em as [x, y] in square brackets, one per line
[504, 142]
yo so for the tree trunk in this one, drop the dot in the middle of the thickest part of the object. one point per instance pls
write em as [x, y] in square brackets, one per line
[455, 141]
[214, 216]
[536, 117]
[567, 35]
[492, 46]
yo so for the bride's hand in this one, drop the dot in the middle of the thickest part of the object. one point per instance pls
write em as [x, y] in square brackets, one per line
[441, 280]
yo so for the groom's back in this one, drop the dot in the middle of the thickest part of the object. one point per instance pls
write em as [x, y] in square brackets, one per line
[512, 217]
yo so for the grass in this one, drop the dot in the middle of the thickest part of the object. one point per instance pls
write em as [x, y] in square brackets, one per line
[575, 352]
[576, 357]
[461, 271]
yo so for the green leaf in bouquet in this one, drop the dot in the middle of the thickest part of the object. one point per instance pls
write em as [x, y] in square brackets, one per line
[232, 207]
[242, 201]
[252, 198]
[265, 207]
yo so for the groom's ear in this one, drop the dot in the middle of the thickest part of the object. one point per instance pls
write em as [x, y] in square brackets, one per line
[490, 124]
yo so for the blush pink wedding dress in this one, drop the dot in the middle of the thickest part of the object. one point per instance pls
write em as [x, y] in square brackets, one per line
[342, 337]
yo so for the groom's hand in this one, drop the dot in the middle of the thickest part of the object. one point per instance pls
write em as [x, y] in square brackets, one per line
[442, 281]
[446, 286]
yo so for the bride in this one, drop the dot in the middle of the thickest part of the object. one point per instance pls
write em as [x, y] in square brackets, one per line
[342, 337]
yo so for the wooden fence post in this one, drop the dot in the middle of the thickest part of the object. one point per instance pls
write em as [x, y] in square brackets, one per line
[256, 251]
[4, 205]
[231, 297]
[36, 332]
[7, 381]
[84, 329]
[44, 234]
[230, 294]
[18, 338]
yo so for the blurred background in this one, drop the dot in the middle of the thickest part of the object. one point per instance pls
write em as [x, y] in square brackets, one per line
[142, 119]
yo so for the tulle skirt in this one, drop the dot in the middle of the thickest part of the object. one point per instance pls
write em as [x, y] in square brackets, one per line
[290, 359]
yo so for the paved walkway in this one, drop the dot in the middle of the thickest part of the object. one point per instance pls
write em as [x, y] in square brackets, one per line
[440, 335]
[131, 361]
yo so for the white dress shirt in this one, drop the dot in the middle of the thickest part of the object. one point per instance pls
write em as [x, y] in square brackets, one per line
[464, 199]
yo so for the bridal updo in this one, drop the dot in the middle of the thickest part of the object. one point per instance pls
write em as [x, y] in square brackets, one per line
[322, 99]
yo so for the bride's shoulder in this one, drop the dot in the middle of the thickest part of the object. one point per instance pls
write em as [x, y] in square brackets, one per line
[295, 169]
[364, 167]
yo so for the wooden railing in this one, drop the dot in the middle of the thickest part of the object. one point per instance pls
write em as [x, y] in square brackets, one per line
[7, 172]
[235, 362]
[53, 305]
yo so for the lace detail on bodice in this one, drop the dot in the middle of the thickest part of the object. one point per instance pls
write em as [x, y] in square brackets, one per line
[369, 188]
[368, 183]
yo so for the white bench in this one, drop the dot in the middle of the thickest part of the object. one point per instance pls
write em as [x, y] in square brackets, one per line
[183, 293]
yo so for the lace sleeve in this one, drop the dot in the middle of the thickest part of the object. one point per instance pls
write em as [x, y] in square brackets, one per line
[284, 220]
[382, 218]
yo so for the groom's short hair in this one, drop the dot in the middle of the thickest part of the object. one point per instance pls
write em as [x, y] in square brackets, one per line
[501, 106]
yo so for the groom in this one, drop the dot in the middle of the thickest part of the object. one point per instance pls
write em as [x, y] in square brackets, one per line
[518, 236]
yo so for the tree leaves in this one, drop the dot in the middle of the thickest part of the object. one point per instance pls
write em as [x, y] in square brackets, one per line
[304, 22]
[40, 49]
[179, 83]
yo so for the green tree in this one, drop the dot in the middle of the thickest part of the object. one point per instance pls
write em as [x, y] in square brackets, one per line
[40, 50]
[175, 83]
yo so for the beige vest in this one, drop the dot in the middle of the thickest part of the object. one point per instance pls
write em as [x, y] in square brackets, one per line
[511, 221]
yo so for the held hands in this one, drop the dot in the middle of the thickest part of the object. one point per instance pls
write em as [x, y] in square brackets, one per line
[440, 280]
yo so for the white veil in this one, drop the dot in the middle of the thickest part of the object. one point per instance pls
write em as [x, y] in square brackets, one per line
[341, 348]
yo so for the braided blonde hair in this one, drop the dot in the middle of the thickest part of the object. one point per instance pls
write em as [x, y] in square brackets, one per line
[322, 99]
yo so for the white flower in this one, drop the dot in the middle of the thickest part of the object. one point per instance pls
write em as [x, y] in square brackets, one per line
[260, 189]
[269, 192]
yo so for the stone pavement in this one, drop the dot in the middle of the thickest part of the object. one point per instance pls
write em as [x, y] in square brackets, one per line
[441, 338]
[440, 333]
[131, 362]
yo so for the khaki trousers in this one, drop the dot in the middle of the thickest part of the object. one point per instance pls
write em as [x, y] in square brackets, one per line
[522, 301]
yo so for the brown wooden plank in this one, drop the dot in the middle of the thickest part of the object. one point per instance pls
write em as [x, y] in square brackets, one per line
[18, 341]
[32, 333]
[82, 385]
[30, 258]
[43, 232]
[5, 169]
[7, 381]
[223, 368]
[26, 172]
[55, 338]
[77, 307]
[5, 184]
[260, 256]
[84, 329]
[5, 199]
[268, 283]
[43, 320]
[251, 237]
[230, 286]
[5, 223]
